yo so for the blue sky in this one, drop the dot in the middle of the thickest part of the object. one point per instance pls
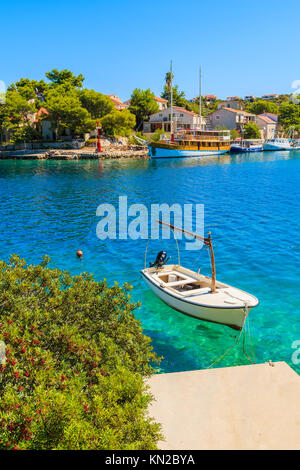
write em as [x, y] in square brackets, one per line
[244, 47]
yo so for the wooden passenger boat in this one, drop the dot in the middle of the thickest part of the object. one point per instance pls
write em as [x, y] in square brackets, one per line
[192, 143]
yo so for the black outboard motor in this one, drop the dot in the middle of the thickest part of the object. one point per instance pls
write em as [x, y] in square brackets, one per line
[160, 260]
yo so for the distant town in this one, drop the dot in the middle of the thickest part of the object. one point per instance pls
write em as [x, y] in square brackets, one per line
[61, 110]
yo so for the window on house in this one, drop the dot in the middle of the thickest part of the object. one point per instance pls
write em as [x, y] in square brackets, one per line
[217, 117]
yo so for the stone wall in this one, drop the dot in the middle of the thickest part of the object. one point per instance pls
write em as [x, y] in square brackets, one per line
[72, 144]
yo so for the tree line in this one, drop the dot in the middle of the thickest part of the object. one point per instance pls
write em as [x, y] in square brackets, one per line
[68, 104]
[74, 109]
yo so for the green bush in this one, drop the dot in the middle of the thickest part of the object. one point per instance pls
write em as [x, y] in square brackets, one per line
[155, 137]
[75, 361]
[251, 131]
[118, 123]
[234, 134]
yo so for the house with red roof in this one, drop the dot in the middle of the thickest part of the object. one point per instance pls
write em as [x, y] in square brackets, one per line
[182, 119]
[233, 102]
[249, 98]
[272, 116]
[230, 118]
[44, 125]
[118, 104]
[210, 98]
[270, 97]
[267, 126]
[162, 103]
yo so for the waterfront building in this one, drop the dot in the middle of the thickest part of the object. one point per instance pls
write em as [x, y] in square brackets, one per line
[249, 98]
[230, 118]
[182, 119]
[43, 124]
[162, 103]
[267, 126]
[233, 103]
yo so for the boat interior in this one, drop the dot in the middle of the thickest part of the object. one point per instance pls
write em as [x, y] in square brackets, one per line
[185, 283]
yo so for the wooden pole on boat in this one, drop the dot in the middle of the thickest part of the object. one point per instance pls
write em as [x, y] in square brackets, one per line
[213, 264]
[183, 231]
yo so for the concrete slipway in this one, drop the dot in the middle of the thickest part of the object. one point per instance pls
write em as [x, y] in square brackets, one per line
[245, 407]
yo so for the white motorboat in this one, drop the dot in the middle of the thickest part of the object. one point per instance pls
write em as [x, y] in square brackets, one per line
[288, 143]
[247, 145]
[197, 295]
[278, 144]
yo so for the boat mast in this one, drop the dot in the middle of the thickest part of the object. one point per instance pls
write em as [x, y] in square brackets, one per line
[200, 93]
[171, 114]
[207, 241]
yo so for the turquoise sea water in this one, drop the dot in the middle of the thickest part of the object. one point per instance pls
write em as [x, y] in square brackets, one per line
[251, 207]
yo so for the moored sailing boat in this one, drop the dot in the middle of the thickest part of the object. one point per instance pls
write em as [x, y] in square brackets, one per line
[197, 295]
[190, 142]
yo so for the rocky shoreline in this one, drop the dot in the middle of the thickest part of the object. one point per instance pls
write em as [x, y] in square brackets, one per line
[80, 154]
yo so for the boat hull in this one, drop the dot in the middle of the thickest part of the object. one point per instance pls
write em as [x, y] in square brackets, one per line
[157, 152]
[274, 147]
[232, 317]
[237, 149]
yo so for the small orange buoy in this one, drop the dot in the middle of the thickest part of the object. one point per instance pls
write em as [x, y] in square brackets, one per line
[79, 254]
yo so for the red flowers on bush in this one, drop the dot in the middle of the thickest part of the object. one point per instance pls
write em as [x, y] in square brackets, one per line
[73, 364]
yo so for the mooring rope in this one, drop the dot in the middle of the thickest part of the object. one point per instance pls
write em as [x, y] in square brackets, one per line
[243, 331]
[227, 351]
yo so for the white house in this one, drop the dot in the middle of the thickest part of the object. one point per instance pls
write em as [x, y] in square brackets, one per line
[266, 126]
[230, 118]
[182, 119]
[162, 103]
[269, 97]
[249, 98]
